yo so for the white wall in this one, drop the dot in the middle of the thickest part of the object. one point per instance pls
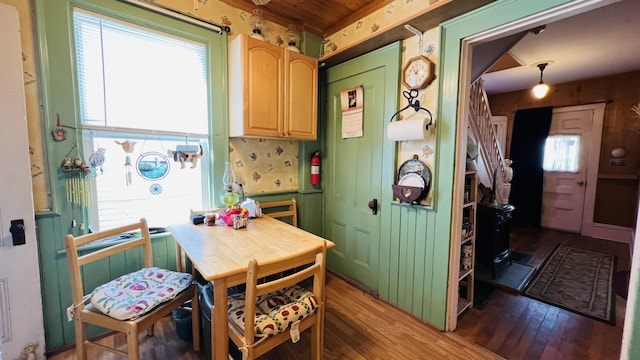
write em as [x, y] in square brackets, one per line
[20, 299]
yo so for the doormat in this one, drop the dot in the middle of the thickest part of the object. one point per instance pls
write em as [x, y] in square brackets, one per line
[514, 276]
[577, 280]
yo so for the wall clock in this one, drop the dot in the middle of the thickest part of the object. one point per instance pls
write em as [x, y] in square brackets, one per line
[418, 72]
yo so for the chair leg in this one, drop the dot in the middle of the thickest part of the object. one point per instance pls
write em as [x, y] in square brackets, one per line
[317, 335]
[81, 334]
[316, 340]
[133, 347]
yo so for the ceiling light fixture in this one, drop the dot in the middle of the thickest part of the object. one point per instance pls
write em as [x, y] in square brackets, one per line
[541, 89]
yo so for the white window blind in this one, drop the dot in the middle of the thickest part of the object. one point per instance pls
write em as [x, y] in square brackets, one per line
[131, 77]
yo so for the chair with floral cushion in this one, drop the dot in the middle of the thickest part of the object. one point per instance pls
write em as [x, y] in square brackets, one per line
[278, 310]
[129, 303]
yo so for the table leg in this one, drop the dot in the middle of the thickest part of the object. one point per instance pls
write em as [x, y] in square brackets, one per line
[180, 260]
[219, 321]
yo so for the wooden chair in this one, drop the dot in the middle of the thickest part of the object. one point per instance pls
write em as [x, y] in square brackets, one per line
[83, 315]
[243, 333]
[281, 209]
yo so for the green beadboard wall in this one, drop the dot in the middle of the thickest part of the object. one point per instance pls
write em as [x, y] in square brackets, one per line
[409, 269]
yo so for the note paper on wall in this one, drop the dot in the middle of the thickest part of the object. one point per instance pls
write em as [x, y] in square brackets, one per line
[352, 110]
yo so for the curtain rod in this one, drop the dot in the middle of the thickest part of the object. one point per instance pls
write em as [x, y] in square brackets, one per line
[146, 4]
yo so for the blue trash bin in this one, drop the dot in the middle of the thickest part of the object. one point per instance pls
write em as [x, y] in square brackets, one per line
[183, 322]
[206, 302]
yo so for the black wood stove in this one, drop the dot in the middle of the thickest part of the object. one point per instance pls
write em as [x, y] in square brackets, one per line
[492, 237]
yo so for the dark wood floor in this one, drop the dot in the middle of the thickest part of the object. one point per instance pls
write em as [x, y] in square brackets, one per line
[358, 326]
[517, 327]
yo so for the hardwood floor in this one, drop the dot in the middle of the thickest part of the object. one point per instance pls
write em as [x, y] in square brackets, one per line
[358, 326]
[517, 327]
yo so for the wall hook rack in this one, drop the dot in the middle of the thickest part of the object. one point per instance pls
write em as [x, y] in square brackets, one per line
[416, 32]
[411, 96]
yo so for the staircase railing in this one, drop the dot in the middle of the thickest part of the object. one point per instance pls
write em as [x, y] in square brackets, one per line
[489, 151]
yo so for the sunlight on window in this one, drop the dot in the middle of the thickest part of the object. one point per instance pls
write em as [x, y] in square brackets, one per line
[131, 77]
[561, 153]
[160, 197]
[149, 89]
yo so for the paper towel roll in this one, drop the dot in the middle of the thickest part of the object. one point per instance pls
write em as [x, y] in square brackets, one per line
[407, 129]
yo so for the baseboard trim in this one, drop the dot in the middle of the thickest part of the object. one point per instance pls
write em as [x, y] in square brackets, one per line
[608, 232]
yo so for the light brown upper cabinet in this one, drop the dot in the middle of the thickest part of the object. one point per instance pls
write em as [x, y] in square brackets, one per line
[273, 92]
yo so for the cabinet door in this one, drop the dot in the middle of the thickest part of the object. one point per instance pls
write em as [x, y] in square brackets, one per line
[301, 93]
[264, 89]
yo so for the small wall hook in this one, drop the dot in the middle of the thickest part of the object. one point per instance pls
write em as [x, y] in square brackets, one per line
[417, 33]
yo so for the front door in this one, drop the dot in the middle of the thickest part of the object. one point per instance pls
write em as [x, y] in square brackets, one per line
[354, 172]
[21, 321]
[565, 174]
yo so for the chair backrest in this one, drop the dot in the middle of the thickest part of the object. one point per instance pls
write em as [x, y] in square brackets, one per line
[308, 265]
[203, 211]
[138, 235]
[281, 209]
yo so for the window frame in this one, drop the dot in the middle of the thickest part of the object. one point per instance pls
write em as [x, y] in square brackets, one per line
[562, 137]
[60, 87]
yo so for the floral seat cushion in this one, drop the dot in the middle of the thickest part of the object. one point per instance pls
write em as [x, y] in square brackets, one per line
[274, 311]
[135, 294]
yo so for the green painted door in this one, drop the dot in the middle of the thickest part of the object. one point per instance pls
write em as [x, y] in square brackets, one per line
[354, 167]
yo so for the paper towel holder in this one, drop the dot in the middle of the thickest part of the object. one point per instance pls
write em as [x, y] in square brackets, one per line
[414, 103]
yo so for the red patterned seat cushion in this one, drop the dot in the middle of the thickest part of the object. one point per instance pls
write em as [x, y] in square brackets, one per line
[135, 294]
[274, 311]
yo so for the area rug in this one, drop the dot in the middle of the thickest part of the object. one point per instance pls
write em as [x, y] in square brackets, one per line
[577, 280]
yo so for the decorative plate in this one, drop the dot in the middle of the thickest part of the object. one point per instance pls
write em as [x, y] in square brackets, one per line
[152, 165]
[412, 179]
[416, 166]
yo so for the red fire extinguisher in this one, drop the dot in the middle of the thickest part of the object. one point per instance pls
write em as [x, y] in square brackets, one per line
[315, 168]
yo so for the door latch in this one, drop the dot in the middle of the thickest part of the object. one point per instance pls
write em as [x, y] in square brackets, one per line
[373, 205]
[17, 232]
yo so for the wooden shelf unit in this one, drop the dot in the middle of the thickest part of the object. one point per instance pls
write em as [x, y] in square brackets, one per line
[467, 242]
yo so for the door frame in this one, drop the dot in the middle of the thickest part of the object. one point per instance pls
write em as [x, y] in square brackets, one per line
[459, 35]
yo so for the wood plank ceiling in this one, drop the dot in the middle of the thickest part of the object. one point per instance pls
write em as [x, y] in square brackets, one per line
[326, 17]
[321, 17]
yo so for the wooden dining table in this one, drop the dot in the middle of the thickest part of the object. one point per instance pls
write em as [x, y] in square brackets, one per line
[221, 255]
